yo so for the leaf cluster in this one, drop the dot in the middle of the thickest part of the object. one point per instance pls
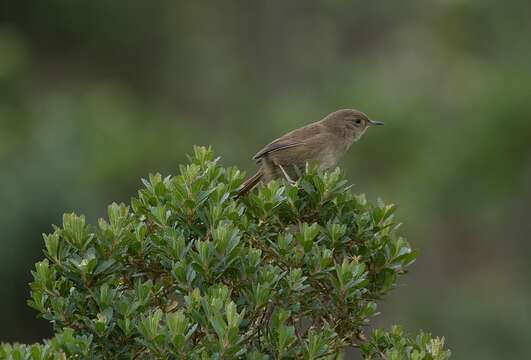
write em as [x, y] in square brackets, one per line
[188, 271]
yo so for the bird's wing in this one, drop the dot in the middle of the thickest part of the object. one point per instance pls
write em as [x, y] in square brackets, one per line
[295, 138]
[275, 146]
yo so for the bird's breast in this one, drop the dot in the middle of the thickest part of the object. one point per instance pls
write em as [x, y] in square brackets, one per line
[330, 156]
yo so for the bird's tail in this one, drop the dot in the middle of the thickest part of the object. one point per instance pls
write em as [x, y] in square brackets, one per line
[249, 184]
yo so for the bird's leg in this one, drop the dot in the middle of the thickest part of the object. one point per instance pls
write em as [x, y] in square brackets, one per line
[286, 175]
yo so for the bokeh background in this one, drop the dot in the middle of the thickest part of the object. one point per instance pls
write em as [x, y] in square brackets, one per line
[96, 94]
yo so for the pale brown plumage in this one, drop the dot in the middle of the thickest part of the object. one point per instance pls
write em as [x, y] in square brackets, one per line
[323, 142]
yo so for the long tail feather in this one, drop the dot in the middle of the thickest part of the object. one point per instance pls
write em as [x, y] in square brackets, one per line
[249, 184]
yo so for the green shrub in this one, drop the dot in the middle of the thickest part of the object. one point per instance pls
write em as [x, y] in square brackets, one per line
[189, 272]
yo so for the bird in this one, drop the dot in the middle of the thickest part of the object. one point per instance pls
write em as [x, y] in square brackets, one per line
[323, 142]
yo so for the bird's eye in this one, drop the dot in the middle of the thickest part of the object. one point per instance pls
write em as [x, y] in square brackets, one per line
[358, 121]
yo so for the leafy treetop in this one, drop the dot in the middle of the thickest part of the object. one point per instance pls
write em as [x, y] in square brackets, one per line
[189, 272]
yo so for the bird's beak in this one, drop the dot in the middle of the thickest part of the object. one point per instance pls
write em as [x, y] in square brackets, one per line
[374, 122]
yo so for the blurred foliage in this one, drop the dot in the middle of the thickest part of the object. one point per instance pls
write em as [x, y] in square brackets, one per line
[190, 271]
[95, 94]
[396, 345]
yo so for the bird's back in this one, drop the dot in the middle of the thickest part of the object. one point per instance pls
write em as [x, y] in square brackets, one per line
[292, 139]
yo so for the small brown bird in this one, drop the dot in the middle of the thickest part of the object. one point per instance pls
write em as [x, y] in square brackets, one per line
[323, 142]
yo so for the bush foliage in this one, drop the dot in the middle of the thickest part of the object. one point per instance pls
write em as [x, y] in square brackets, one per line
[190, 272]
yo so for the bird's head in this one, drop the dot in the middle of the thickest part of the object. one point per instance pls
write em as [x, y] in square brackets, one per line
[350, 122]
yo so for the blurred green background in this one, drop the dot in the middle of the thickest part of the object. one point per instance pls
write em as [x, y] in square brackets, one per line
[95, 95]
